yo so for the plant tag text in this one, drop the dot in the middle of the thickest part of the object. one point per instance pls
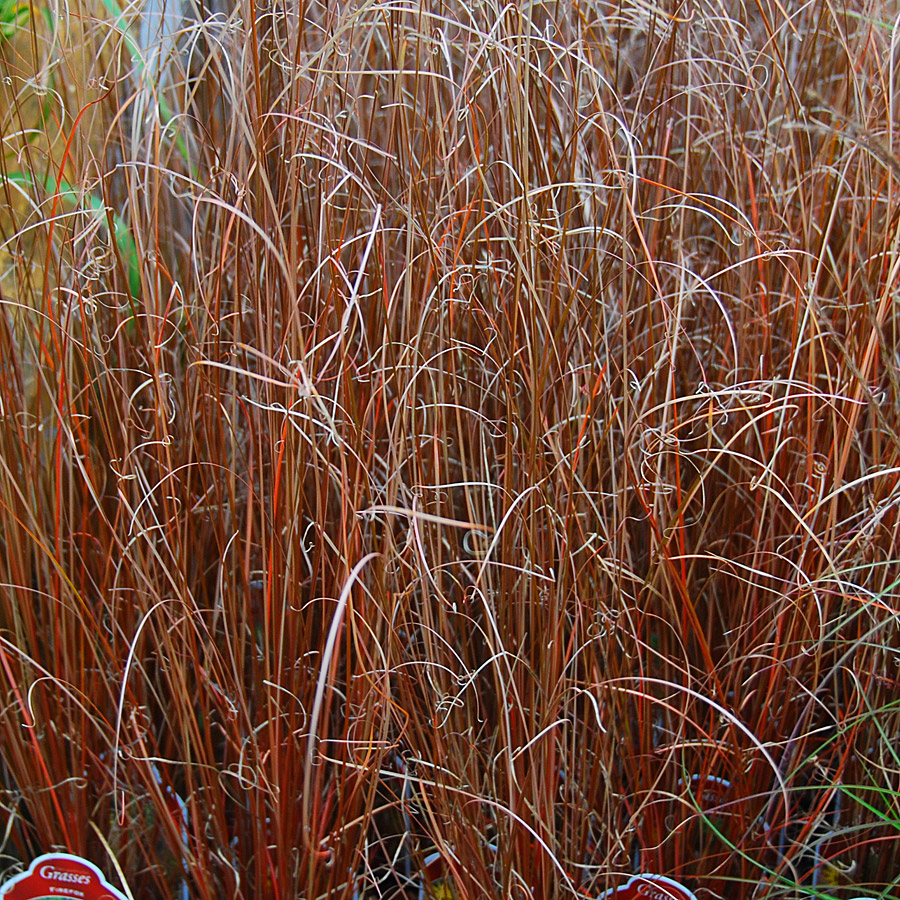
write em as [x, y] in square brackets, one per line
[648, 887]
[59, 876]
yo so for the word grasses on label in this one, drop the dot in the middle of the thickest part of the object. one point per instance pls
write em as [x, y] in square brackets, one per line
[59, 876]
[648, 887]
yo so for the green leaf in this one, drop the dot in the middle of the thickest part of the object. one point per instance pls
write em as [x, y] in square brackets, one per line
[122, 240]
[13, 15]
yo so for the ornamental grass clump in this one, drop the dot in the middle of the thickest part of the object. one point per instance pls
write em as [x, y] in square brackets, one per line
[451, 449]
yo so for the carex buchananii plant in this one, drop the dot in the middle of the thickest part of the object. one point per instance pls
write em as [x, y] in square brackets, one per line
[451, 449]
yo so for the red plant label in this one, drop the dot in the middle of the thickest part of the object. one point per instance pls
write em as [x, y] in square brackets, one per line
[58, 875]
[648, 887]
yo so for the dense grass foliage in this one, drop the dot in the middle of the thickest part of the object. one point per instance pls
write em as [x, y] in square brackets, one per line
[452, 427]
